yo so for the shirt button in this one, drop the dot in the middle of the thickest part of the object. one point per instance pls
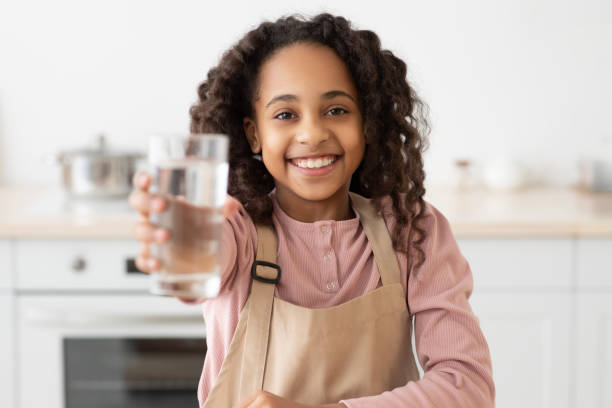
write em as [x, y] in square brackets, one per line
[331, 285]
[327, 256]
[325, 229]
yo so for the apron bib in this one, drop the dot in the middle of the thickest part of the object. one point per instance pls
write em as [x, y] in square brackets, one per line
[319, 356]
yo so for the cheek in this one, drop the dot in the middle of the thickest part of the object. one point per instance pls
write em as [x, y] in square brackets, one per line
[273, 149]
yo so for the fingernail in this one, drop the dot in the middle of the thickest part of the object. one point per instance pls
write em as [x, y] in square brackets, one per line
[151, 263]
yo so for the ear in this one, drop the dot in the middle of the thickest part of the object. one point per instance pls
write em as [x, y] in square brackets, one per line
[250, 130]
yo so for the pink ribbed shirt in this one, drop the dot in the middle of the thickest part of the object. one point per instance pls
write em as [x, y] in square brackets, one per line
[327, 263]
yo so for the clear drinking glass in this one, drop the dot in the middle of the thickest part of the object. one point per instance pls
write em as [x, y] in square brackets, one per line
[190, 172]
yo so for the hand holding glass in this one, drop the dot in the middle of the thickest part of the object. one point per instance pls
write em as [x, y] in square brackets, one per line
[190, 172]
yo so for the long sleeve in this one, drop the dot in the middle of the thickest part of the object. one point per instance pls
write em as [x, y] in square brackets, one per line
[450, 346]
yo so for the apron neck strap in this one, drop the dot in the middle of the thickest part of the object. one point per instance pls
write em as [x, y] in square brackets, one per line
[379, 239]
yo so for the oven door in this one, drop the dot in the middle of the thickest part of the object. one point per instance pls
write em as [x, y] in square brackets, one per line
[108, 351]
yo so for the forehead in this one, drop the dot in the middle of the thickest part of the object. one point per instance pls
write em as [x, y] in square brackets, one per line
[304, 69]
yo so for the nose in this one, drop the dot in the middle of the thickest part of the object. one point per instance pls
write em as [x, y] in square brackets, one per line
[312, 131]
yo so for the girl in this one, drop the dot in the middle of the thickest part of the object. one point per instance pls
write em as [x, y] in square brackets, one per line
[320, 117]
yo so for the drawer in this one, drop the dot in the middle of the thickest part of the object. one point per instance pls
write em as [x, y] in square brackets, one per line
[6, 269]
[76, 264]
[594, 262]
[519, 262]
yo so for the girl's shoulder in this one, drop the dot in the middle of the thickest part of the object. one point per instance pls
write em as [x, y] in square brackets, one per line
[432, 221]
[430, 211]
[240, 224]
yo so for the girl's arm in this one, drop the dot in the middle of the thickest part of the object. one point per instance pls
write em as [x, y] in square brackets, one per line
[449, 343]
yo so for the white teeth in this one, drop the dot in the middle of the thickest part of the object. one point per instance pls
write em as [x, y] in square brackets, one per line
[315, 164]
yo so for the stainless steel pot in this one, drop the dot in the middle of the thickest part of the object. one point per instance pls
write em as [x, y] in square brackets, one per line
[595, 175]
[98, 173]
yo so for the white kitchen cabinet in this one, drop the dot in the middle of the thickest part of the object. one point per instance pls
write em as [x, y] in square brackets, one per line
[7, 350]
[519, 263]
[594, 263]
[6, 272]
[77, 264]
[593, 334]
[593, 350]
[529, 339]
[523, 299]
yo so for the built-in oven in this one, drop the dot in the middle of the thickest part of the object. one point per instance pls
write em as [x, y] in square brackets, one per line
[89, 335]
[100, 351]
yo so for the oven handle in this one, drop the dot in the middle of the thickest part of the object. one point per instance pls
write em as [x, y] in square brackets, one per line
[64, 317]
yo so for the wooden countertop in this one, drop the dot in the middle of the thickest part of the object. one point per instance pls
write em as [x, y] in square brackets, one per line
[532, 212]
[45, 212]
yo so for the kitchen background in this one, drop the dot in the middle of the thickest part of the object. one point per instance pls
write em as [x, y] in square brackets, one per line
[518, 80]
[519, 94]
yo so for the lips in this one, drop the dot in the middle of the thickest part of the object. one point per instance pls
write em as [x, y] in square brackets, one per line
[314, 161]
[314, 156]
[315, 166]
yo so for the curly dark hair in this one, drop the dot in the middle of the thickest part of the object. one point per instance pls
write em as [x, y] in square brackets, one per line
[394, 118]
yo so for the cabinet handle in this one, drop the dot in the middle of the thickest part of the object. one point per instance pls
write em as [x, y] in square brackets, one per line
[79, 264]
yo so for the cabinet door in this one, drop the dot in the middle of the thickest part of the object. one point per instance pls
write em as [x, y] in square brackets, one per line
[6, 272]
[7, 350]
[519, 263]
[593, 350]
[528, 336]
[594, 263]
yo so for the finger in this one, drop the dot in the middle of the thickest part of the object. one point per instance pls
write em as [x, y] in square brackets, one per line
[141, 264]
[146, 203]
[259, 398]
[145, 262]
[142, 181]
[144, 231]
[248, 400]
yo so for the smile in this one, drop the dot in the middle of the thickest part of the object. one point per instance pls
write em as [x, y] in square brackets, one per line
[316, 163]
[315, 166]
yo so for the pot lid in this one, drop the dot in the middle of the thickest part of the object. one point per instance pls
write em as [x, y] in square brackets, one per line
[100, 151]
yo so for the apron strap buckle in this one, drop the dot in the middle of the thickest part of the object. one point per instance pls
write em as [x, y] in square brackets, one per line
[264, 279]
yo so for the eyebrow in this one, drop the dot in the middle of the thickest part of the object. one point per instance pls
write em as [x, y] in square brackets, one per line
[293, 98]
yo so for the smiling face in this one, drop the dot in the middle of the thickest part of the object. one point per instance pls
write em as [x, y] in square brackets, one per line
[307, 125]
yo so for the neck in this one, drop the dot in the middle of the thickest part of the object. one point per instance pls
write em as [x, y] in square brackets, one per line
[336, 207]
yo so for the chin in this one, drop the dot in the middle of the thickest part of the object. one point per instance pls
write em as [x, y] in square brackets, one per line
[317, 194]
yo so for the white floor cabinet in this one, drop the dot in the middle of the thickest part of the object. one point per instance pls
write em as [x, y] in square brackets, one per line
[593, 334]
[528, 336]
[525, 295]
[7, 332]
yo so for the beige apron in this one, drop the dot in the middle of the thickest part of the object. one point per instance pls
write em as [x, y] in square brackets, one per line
[318, 356]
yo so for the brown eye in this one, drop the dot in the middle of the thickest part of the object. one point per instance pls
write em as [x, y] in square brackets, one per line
[285, 116]
[336, 111]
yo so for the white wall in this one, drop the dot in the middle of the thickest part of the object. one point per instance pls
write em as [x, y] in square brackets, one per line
[521, 79]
